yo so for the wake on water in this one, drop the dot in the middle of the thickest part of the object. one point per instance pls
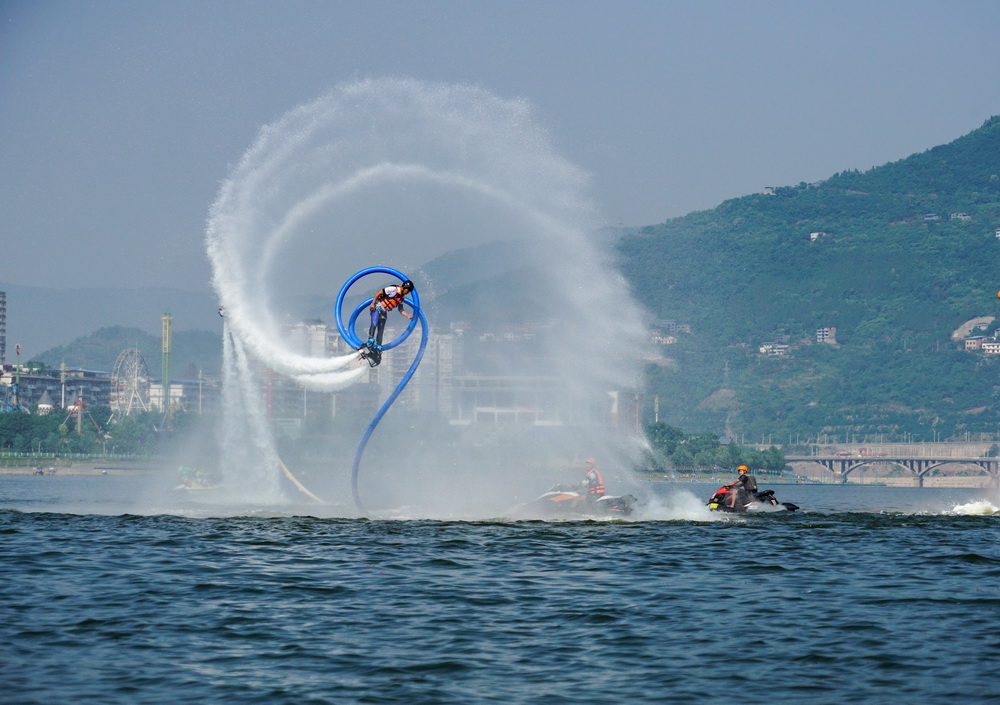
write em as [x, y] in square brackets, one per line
[386, 168]
[980, 507]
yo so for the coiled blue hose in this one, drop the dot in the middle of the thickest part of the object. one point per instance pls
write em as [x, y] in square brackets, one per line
[347, 333]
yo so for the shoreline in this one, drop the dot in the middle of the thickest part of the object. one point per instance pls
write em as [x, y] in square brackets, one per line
[968, 482]
[133, 468]
[62, 466]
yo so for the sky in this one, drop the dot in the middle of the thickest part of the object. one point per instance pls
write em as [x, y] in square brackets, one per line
[121, 119]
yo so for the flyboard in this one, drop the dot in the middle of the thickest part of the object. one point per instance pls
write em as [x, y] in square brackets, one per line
[373, 356]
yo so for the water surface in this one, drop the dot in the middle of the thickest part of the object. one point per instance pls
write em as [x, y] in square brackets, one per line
[870, 594]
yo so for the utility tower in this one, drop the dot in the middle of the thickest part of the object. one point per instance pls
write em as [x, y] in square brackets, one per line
[3, 327]
[17, 378]
[167, 318]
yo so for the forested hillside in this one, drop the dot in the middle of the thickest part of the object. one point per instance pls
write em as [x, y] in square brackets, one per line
[895, 258]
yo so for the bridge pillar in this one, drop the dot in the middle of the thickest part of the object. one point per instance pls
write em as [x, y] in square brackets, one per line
[840, 473]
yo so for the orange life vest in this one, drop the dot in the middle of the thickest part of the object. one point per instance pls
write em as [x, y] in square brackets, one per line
[386, 301]
[595, 488]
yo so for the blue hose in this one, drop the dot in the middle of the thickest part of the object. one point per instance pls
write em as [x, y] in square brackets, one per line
[347, 333]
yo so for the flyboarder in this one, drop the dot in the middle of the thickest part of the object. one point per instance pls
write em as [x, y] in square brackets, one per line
[384, 301]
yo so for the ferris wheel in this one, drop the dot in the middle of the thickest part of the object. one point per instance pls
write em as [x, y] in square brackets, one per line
[129, 384]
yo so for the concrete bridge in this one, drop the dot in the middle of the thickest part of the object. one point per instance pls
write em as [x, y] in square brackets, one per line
[919, 466]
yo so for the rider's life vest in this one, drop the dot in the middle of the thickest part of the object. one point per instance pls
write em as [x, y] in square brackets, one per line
[387, 301]
[598, 487]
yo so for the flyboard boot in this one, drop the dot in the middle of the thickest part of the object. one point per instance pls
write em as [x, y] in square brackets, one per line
[372, 352]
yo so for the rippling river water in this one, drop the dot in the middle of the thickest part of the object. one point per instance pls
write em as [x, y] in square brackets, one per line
[868, 595]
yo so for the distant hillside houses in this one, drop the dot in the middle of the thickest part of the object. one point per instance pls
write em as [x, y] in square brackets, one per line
[980, 343]
[781, 345]
[666, 332]
[826, 335]
[773, 349]
[974, 338]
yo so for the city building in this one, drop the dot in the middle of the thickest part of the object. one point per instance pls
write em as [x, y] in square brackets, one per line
[826, 335]
[541, 401]
[431, 390]
[196, 396]
[772, 349]
[443, 386]
[67, 386]
[507, 399]
[975, 342]
[659, 338]
[669, 327]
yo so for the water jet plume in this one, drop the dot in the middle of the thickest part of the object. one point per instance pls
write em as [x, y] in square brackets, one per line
[397, 171]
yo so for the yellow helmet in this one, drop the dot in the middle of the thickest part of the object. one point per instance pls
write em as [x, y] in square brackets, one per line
[742, 467]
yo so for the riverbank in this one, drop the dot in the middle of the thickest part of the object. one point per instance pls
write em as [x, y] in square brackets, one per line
[972, 482]
[64, 466]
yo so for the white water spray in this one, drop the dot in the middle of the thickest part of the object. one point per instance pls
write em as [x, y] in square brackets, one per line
[393, 172]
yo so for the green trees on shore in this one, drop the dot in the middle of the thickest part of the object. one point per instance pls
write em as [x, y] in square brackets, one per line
[60, 433]
[672, 449]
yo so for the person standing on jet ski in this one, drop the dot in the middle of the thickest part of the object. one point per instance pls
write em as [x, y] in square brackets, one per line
[593, 481]
[747, 490]
[384, 301]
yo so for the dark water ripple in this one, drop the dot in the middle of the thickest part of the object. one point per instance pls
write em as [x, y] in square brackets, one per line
[830, 608]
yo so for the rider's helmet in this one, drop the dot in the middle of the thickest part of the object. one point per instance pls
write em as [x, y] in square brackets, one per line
[742, 467]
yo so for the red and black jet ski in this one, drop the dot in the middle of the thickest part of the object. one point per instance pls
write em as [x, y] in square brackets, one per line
[759, 502]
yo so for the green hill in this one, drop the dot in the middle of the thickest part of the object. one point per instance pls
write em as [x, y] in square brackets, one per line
[895, 258]
[191, 351]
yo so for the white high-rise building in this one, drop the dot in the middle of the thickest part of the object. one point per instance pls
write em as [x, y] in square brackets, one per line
[3, 327]
[432, 387]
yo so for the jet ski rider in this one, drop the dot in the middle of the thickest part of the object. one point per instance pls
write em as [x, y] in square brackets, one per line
[747, 490]
[593, 481]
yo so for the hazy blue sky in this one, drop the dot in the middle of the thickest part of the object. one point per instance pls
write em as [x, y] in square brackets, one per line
[120, 119]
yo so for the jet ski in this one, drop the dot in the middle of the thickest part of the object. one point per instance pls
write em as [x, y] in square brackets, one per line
[761, 502]
[562, 502]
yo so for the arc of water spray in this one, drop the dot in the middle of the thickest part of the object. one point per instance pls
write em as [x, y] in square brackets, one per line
[347, 333]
